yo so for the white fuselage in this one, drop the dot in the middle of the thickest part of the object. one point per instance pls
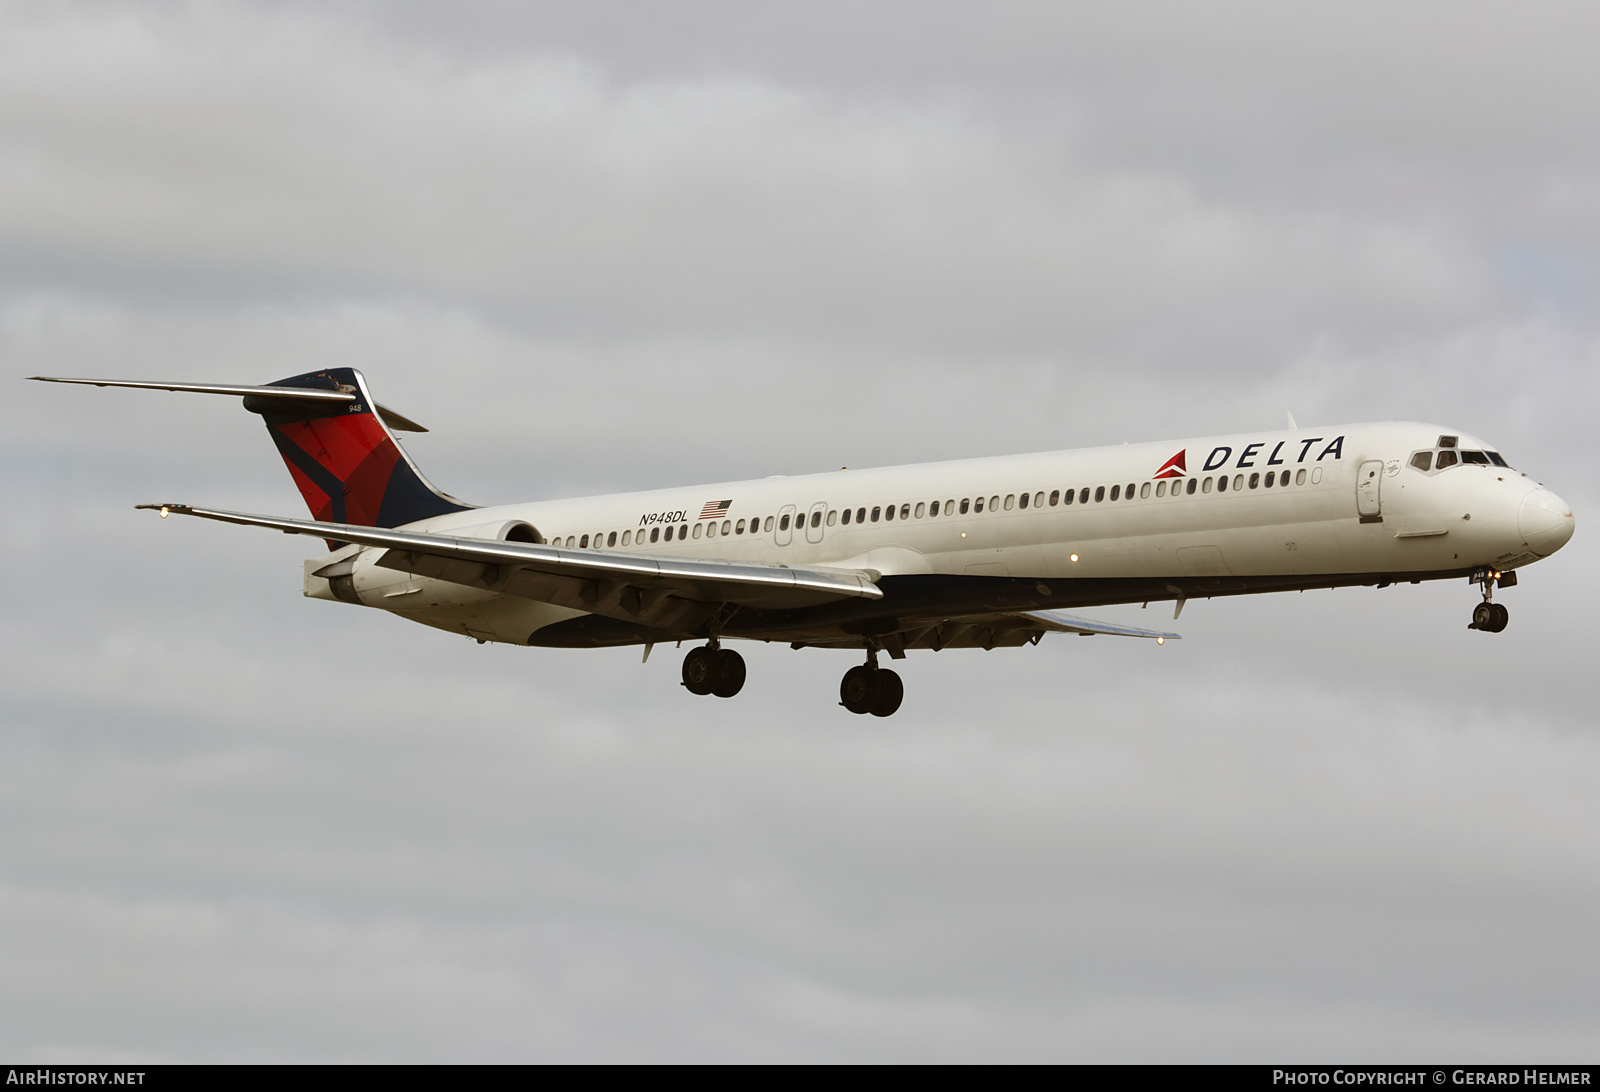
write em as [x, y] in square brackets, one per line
[1347, 501]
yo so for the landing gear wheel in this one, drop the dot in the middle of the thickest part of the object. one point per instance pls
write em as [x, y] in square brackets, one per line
[1501, 618]
[888, 693]
[700, 670]
[1483, 616]
[856, 691]
[729, 676]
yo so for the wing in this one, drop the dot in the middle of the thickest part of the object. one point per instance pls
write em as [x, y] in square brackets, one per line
[614, 583]
[988, 631]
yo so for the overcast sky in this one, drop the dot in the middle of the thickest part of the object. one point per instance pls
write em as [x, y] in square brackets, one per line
[599, 247]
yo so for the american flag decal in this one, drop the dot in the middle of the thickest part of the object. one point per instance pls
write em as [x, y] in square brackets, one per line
[715, 509]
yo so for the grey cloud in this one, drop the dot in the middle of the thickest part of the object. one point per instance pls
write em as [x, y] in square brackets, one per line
[616, 247]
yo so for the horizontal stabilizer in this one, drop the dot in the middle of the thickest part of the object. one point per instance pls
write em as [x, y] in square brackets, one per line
[284, 394]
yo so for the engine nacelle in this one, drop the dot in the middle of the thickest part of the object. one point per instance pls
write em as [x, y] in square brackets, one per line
[353, 575]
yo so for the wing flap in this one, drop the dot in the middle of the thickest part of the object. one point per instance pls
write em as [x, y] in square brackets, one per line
[1056, 621]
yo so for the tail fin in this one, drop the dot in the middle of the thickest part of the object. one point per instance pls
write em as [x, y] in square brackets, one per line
[344, 459]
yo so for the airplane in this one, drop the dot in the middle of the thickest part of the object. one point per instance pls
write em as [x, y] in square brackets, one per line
[978, 553]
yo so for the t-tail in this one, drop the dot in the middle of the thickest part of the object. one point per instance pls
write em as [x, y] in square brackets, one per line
[336, 442]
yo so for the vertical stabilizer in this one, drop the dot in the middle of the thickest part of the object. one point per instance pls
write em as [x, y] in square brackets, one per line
[347, 464]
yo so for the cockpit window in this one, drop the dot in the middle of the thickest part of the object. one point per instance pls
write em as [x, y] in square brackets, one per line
[1446, 458]
[1494, 457]
[1476, 457]
[1422, 460]
[1447, 441]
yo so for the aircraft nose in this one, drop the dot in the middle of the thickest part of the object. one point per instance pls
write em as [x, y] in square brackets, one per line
[1545, 522]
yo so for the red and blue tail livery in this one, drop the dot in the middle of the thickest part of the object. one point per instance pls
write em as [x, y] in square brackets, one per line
[344, 460]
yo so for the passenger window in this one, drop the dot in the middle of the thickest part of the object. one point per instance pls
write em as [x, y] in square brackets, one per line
[994, 502]
[1255, 480]
[738, 528]
[627, 537]
[1238, 481]
[783, 524]
[1083, 495]
[921, 508]
[1422, 460]
[1116, 492]
[888, 512]
[697, 530]
[655, 533]
[1011, 501]
[1100, 494]
[1129, 491]
[875, 513]
[861, 515]
[1476, 457]
[1144, 491]
[583, 543]
[833, 517]
[905, 511]
[1205, 486]
[847, 517]
[966, 506]
[1299, 477]
[766, 524]
[683, 530]
[977, 505]
[611, 539]
[1069, 496]
[1055, 497]
[1189, 489]
[1446, 458]
[950, 507]
[816, 518]
[1448, 441]
[1022, 501]
[1038, 499]
[725, 525]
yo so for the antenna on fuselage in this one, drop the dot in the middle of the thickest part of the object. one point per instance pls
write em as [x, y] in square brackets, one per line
[1290, 417]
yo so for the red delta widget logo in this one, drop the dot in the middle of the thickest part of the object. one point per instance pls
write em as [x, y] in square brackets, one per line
[1177, 466]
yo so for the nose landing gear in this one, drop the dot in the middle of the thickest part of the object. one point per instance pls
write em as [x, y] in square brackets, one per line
[868, 688]
[712, 669]
[1489, 616]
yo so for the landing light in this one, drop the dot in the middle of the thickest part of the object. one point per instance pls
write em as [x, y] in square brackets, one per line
[1161, 640]
[1074, 558]
[163, 512]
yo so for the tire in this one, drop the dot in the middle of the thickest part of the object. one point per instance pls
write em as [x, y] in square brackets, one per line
[700, 670]
[730, 673]
[1502, 617]
[857, 691]
[1483, 617]
[890, 692]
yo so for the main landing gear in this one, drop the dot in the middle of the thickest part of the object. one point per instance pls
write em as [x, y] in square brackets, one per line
[869, 688]
[1489, 616]
[712, 669]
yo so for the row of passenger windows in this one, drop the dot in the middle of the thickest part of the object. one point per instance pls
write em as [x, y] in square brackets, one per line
[932, 509]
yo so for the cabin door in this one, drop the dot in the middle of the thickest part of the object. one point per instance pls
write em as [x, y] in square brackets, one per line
[1369, 481]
